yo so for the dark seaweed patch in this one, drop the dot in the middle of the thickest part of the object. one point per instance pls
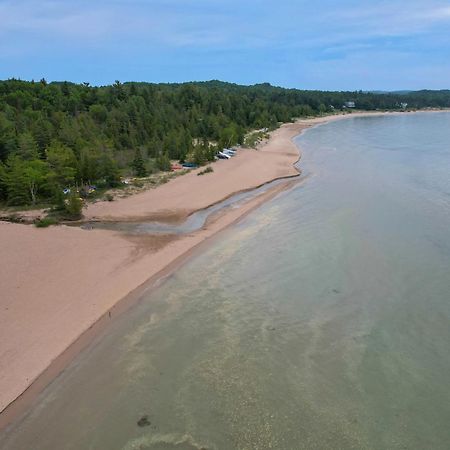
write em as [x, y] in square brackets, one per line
[143, 422]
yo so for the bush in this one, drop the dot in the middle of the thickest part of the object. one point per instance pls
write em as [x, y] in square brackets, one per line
[199, 156]
[58, 200]
[209, 169]
[163, 163]
[45, 222]
[109, 197]
[74, 206]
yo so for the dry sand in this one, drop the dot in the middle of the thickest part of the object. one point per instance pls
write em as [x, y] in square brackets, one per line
[58, 283]
[190, 192]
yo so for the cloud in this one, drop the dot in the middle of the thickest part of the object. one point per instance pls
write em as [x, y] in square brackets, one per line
[171, 23]
[395, 17]
[55, 19]
[223, 25]
[188, 35]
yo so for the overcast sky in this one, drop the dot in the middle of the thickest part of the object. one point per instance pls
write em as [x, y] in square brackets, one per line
[321, 44]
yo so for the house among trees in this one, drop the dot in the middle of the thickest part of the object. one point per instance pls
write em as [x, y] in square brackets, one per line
[349, 105]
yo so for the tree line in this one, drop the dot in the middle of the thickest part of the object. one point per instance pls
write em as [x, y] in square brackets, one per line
[61, 134]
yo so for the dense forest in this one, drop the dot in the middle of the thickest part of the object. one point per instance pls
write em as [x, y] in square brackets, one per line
[61, 134]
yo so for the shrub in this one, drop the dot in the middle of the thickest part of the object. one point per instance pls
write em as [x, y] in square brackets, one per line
[45, 222]
[74, 206]
[163, 162]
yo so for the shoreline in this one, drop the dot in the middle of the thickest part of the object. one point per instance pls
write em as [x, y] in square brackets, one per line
[20, 405]
[131, 267]
[43, 328]
[149, 206]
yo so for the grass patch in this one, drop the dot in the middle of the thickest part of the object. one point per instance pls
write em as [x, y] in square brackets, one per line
[209, 169]
[45, 222]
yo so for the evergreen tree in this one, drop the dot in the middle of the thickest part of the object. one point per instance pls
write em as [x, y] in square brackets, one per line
[63, 162]
[138, 165]
[98, 129]
[163, 162]
[27, 147]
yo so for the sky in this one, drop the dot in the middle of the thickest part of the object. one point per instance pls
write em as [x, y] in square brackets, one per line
[321, 44]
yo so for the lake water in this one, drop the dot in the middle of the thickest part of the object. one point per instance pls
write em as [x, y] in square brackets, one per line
[320, 321]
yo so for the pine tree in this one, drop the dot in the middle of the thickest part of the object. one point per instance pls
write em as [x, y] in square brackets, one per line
[163, 162]
[138, 165]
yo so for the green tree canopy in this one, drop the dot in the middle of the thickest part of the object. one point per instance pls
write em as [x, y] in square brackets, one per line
[138, 165]
[25, 179]
[63, 162]
[99, 131]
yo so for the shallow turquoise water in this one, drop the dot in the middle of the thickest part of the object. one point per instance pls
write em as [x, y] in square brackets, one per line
[320, 321]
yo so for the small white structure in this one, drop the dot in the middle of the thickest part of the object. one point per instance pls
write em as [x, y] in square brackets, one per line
[349, 105]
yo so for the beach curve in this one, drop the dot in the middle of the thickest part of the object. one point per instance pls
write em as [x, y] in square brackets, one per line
[60, 284]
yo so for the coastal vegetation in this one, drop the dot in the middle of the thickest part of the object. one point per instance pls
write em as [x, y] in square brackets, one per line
[60, 138]
[206, 170]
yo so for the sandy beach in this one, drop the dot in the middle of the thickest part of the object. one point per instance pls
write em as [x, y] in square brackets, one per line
[183, 195]
[59, 283]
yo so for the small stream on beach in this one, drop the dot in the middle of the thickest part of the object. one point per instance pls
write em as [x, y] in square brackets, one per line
[194, 221]
[319, 321]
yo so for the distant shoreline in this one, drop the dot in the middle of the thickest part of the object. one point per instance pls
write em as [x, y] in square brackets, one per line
[63, 285]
